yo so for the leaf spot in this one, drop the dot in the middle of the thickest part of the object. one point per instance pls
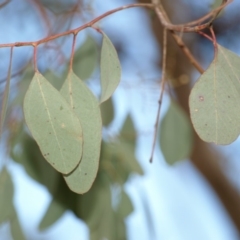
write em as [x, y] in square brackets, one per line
[201, 98]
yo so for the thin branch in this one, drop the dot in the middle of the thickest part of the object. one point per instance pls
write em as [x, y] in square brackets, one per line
[76, 30]
[35, 59]
[212, 14]
[184, 48]
[72, 53]
[214, 43]
[187, 27]
[156, 5]
[163, 81]
[4, 3]
[205, 35]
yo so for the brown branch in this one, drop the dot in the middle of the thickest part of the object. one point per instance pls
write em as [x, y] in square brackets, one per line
[181, 44]
[156, 5]
[76, 30]
[187, 27]
[72, 53]
[163, 81]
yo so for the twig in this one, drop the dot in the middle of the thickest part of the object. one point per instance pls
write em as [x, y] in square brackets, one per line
[35, 59]
[187, 27]
[205, 35]
[163, 81]
[76, 30]
[156, 5]
[72, 53]
[184, 48]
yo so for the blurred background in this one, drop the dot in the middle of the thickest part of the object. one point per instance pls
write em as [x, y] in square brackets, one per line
[196, 197]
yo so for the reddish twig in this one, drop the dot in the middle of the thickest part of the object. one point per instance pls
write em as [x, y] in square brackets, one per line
[187, 27]
[205, 35]
[72, 53]
[76, 30]
[163, 81]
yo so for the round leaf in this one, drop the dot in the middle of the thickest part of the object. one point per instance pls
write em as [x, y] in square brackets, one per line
[215, 99]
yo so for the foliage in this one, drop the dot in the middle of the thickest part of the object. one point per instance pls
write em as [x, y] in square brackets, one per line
[214, 99]
[64, 150]
[175, 127]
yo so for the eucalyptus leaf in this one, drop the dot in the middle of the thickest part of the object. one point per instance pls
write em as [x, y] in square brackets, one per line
[55, 80]
[176, 137]
[104, 226]
[128, 132]
[23, 85]
[53, 124]
[118, 160]
[85, 59]
[107, 112]
[215, 100]
[26, 152]
[6, 196]
[86, 107]
[125, 206]
[55, 210]
[110, 69]
[93, 204]
[16, 229]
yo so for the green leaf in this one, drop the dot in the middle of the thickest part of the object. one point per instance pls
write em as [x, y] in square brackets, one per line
[54, 212]
[110, 69]
[26, 151]
[101, 220]
[128, 132]
[92, 204]
[5, 96]
[16, 229]
[215, 100]
[23, 85]
[56, 81]
[85, 59]
[53, 124]
[6, 196]
[176, 137]
[107, 112]
[86, 107]
[118, 161]
[125, 206]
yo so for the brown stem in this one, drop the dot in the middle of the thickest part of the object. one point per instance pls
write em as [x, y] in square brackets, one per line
[76, 30]
[73, 50]
[163, 81]
[187, 27]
